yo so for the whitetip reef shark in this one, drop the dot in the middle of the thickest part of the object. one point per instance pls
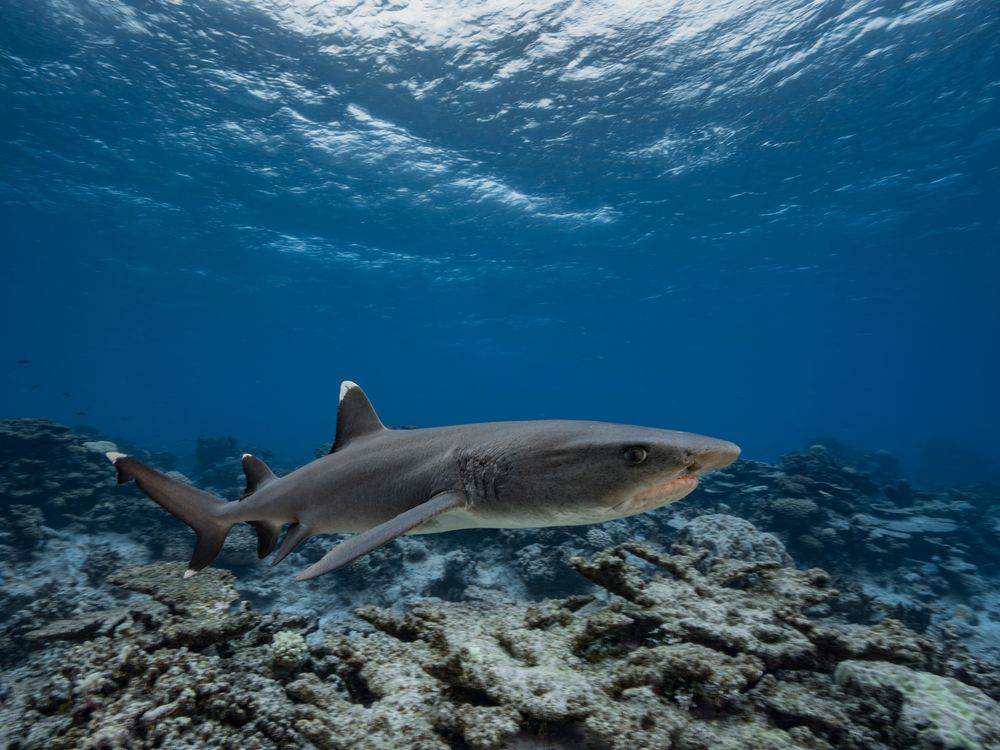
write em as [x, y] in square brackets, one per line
[380, 483]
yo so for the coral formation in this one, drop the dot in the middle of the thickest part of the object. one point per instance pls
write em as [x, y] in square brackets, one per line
[288, 649]
[933, 711]
[729, 536]
[71, 474]
[677, 653]
[923, 556]
[721, 643]
[182, 670]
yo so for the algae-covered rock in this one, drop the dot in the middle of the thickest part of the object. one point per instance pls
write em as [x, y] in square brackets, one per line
[934, 711]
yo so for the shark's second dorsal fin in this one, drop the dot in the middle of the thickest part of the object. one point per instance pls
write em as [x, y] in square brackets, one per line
[355, 416]
[257, 473]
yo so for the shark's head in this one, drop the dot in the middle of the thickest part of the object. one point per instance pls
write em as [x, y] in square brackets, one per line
[565, 473]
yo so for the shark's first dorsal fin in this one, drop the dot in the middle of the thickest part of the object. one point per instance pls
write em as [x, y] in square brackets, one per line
[257, 473]
[355, 416]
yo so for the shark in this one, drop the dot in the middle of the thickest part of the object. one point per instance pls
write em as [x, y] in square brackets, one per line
[379, 483]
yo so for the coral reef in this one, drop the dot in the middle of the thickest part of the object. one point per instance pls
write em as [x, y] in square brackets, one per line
[933, 711]
[880, 466]
[576, 637]
[925, 557]
[685, 650]
[728, 536]
[182, 670]
[46, 466]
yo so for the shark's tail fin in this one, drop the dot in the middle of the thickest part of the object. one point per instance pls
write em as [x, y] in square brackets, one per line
[200, 510]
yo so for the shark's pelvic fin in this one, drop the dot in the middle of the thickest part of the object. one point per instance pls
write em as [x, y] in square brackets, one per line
[257, 473]
[355, 416]
[361, 544]
[200, 510]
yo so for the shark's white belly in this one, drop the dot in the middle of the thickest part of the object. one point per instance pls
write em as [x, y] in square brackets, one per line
[464, 519]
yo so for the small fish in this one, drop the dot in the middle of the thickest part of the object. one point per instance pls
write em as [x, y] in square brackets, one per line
[35, 385]
[23, 361]
[68, 395]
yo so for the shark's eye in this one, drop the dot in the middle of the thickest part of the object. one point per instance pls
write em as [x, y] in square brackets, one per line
[635, 454]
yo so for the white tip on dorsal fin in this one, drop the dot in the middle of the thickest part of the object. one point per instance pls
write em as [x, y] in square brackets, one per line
[345, 387]
[355, 415]
[114, 456]
[188, 573]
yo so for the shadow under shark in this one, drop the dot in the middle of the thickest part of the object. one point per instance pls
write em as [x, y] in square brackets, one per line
[380, 483]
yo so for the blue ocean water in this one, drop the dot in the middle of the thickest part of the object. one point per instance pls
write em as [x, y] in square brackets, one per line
[767, 222]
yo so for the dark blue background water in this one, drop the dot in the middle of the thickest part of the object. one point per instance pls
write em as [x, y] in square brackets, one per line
[762, 221]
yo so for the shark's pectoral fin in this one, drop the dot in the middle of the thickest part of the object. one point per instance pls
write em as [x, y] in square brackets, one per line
[351, 549]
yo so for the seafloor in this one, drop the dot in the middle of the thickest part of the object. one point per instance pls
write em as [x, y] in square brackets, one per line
[821, 602]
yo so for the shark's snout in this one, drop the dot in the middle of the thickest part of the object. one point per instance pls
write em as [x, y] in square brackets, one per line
[712, 455]
[698, 456]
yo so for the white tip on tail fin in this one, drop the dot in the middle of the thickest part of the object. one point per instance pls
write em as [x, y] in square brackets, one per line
[188, 573]
[202, 511]
[345, 387]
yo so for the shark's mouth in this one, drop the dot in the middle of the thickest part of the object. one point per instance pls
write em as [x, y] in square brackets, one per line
[672, 489]
[659, 494]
